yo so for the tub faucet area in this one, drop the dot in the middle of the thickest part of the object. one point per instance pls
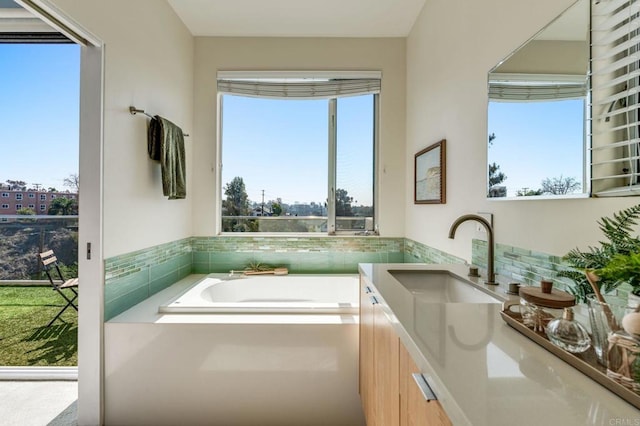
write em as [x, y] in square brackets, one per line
[491, 276]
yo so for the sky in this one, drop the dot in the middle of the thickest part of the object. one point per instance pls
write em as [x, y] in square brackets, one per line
[537, 140]
[39, 109]
[281, 147]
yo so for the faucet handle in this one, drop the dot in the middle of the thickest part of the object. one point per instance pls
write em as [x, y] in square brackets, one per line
[473, 271]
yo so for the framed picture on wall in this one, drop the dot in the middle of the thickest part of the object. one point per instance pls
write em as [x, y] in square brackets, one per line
[430, 174]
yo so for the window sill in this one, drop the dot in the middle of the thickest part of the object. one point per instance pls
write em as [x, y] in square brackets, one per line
[541, 197]
[294, 235]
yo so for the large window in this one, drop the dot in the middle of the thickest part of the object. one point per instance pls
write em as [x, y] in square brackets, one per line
[297, 155]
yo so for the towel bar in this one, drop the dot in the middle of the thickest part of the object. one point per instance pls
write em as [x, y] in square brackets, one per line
[133, 111]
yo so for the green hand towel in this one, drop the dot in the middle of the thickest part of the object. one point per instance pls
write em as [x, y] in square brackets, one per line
[165, 143]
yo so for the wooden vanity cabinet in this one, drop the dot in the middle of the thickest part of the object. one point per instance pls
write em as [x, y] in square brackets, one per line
[415, 410]
[386, 352]
[389, 395]
[379, 363]
[366, 353]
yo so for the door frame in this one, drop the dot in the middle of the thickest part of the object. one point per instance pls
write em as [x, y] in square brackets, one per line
[90, 221]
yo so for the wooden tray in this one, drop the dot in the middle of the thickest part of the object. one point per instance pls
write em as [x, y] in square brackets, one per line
[585, 362]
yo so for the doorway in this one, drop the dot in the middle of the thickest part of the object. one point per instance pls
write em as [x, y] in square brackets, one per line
[89, 236]
[39, 115]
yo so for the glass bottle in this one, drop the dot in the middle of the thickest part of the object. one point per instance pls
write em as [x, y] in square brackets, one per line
[568, 334]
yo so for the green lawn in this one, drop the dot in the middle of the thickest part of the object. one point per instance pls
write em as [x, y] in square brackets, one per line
[25, 338]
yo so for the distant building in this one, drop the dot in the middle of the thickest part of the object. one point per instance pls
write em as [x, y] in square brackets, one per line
[258, 211]
[12, 200]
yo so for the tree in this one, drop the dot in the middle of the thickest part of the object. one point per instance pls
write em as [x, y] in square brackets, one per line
[16, 185]
[526, 192]
[343, 203]
[52, 189]
[73, 182]
[495, 177]
[237, 204]
[63, 206]
[363, 211]
[560, 185]
[26, 211]
[276, 208]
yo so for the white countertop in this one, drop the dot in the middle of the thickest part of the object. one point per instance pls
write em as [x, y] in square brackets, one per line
[483, 371]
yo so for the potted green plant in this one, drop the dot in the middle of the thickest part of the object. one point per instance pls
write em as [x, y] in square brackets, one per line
[623, 268]
[621, 244]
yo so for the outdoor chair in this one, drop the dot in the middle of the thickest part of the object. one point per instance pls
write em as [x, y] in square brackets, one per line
[59, 283]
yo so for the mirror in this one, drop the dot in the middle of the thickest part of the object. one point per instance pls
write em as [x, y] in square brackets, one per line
[538, 115]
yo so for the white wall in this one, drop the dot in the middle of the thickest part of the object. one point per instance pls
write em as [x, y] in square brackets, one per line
[549, 57]
[449, 51]
[148, 64]
[388, 55]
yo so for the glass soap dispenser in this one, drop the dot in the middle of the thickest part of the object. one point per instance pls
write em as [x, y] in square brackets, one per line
[568, 334]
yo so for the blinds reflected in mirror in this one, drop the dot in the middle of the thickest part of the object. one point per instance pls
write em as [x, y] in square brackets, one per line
[615, 66]
[536, 87]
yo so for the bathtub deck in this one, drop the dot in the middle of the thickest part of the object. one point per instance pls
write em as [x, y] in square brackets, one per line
[147, 312]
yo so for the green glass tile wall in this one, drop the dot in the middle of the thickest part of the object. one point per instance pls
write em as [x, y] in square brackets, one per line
[131, 278]
[521, 265]
[300, 255]
[415, 252]
[528, 266]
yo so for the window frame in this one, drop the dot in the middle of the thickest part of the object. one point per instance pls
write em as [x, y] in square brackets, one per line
[332, 154]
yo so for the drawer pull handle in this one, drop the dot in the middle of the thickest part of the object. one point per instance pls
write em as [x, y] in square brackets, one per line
[368, 290]
[421, 381]
[373, 300]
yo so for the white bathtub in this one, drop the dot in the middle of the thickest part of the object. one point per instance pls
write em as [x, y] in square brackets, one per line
[312, 294]
[270, 363]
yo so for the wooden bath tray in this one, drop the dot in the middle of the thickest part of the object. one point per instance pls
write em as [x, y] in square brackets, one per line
[585, 362]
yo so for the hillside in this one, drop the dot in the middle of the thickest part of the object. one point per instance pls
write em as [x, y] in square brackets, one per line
[20, 243]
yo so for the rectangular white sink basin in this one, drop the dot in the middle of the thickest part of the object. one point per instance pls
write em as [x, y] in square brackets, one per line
[440, 287]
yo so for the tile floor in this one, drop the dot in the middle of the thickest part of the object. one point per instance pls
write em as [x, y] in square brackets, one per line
[38, 403]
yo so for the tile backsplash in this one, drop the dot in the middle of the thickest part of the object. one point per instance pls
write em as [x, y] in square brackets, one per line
[301, 255]
[132, 277]
[521, 265]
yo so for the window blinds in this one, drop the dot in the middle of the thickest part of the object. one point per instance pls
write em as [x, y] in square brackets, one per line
[615, 152]
[536, 87]
[299, 88]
